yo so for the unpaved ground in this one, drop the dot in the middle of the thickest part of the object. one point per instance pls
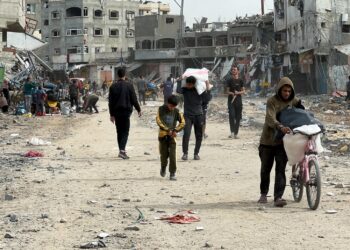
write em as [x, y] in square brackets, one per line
[77, 190]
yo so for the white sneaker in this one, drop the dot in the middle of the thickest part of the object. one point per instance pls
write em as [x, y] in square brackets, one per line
[231, 136]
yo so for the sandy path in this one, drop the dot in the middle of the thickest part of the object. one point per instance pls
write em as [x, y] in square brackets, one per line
[86, 187]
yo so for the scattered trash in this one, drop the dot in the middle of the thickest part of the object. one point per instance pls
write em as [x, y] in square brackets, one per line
[330, 194]
[119, 235]
[9, 236]
[38, 142]
[185, 217]
[132, 228]
[13, 218]
[125, 200]
[199, 228]
[91, 202]
[331, 211]
[9, 197]
[63, 221]
[340, 185]
[44, 216]
[93, 244]
[146, 153]
[102, 235]
[14, 135]
[33, 154]
[208, 245]
[176, 196]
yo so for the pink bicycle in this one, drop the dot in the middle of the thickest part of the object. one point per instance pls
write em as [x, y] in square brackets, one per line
[307, 173]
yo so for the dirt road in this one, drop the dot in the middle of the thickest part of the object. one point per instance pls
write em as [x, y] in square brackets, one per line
[80, 188]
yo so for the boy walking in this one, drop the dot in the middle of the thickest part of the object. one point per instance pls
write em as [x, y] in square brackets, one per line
[170, 122]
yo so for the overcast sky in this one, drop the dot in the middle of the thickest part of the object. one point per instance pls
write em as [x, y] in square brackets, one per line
[223, 10]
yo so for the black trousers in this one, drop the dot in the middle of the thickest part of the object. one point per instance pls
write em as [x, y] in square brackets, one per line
[235, 115]
[74, 101]
[196, 122]
[347, 96]
[122, 123]
[269, 154]
[7, 96]
[91, 105]
[142, 97]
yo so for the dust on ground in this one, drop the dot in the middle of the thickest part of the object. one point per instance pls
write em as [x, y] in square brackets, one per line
[80, 188]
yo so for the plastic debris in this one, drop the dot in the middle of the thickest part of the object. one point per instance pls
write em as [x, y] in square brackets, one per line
[38, 142]
[33, 154]
[93, 245]
[185, 217]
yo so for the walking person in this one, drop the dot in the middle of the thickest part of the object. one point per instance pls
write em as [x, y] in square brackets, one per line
[74, 94]
[170, 122]
[167, 89]
[6, 91]
[40, 101]
[193, 112]
[104, 87]
[205, 105]
[122, 98]
[270, 150]
[28, 92]
[235, 90]
[141, 87]
[90, 101]
[348, 90]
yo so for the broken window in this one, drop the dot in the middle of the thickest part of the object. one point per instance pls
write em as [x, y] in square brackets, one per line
[114, 49]
[114, 14]
[55, 33]
[73, 12]
[97, 50]
[146, 44]
[141, 12]
[166, 43]
[279, 8]
[98, 13]
[346, 28]
[189, 42]
[46, 22]
[86, 49]
[130, 15]
[57, 51]
[169, 20]
[73, 50]
[86, 11]
[98, 32]
[74, 32]
[114, 32]
[46, 4]
[323, 25]
[205, 41]
[129, 33]
[55, 15]
[221, 40]
[31, 8]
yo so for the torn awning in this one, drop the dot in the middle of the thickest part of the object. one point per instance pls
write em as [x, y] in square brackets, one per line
[345, 49]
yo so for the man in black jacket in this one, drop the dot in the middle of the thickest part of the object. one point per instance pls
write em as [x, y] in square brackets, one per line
[122, 98]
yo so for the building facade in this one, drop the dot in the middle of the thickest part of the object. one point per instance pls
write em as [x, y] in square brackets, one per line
[96, 34]
[307, 33]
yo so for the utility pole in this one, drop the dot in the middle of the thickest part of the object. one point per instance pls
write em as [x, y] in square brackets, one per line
[262, 7]
[179, 40]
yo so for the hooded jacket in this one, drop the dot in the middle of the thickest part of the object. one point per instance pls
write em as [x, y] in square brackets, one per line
[274, 105]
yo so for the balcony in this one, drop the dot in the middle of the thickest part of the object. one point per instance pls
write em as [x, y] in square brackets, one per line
[78, 58]
[159, 54]
[112, 57]
[12, 16]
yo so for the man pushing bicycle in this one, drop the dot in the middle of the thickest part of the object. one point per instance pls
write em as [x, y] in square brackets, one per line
[272, 150]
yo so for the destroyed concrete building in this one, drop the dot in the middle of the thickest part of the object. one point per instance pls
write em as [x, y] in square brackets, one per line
[153, 8]
[166, 48]
[310, 34]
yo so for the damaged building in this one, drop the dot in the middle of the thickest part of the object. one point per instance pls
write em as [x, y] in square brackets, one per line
[311, 37]
[165, 45]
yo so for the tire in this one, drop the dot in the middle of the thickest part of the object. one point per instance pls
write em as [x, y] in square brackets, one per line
[313, 187]
[297, 188]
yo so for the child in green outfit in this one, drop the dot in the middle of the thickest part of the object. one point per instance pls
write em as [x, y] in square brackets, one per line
[170, 122]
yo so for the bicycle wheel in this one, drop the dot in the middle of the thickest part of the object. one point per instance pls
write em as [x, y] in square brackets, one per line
[313, 187]
[297, 186]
